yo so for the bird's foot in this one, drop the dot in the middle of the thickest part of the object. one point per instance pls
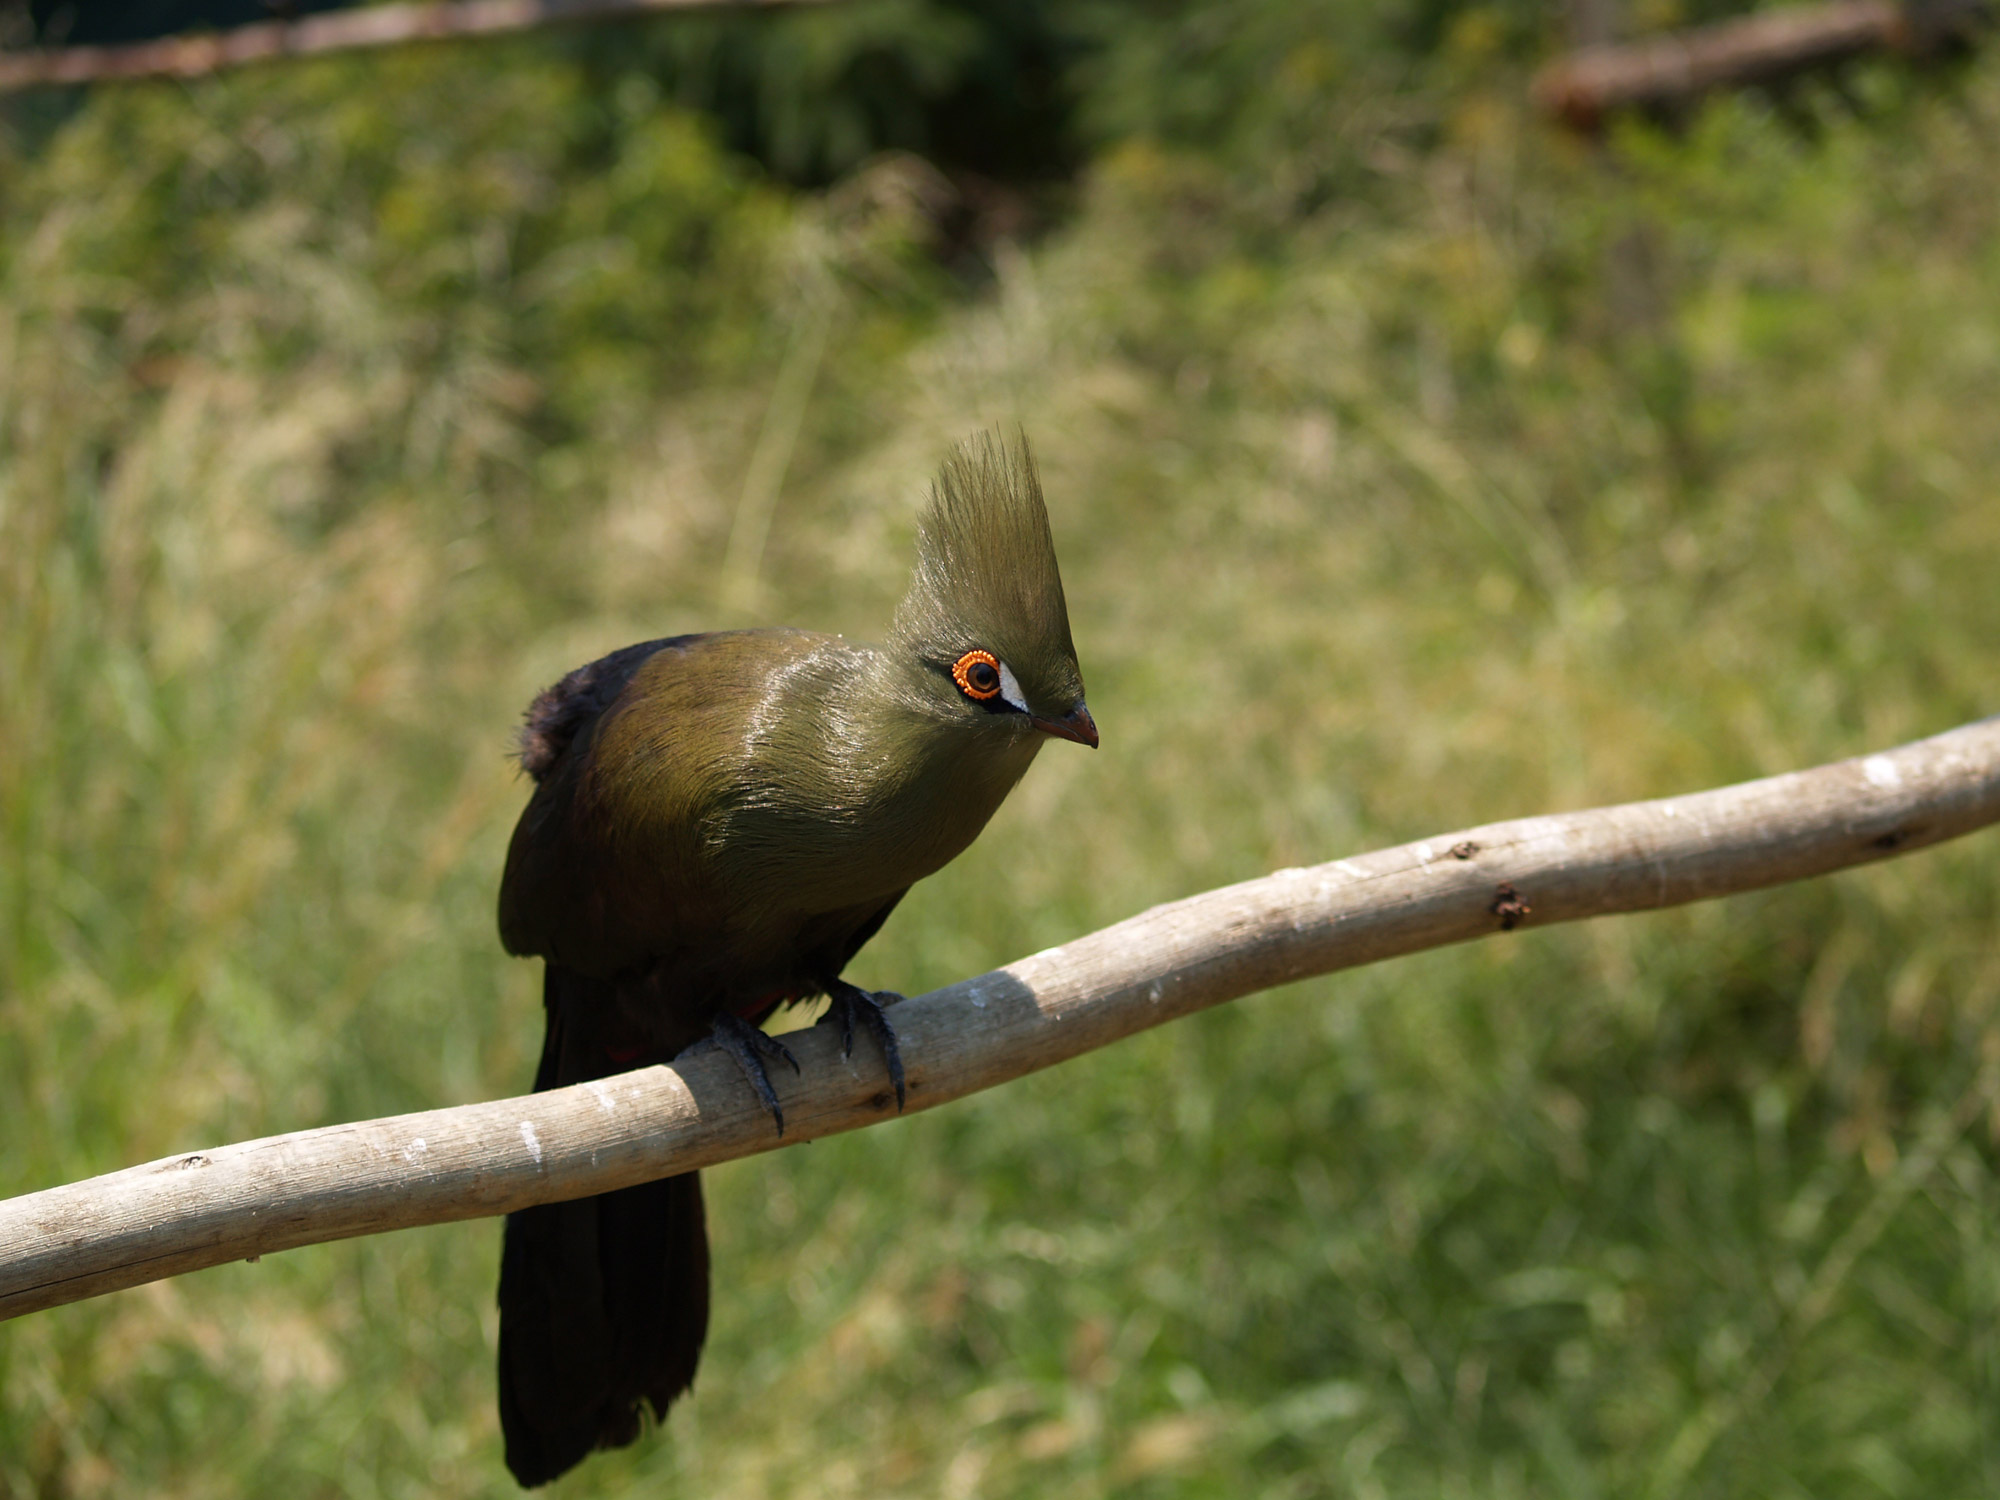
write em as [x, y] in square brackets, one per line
[750, 1048]
[850, 1001]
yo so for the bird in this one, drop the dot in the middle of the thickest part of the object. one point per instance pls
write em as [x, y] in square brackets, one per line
[718, 823]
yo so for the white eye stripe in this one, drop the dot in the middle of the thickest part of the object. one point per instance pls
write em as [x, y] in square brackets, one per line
[1010, 689]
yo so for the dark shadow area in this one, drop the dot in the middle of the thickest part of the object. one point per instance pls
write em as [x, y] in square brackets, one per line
[72, 23]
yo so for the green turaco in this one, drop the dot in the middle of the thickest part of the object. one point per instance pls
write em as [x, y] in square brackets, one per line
[718, 823]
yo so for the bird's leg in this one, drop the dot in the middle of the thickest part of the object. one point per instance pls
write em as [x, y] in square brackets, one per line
[849, 1001]
[750, 1047]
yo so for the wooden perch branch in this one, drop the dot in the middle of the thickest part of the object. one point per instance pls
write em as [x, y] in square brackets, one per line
[1764, 47]
[234, 1202]
[337, 31]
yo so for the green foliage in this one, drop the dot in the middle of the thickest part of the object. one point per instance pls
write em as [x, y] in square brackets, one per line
[816, 92]
[343, 406]
[1024, 90]
[605, 246]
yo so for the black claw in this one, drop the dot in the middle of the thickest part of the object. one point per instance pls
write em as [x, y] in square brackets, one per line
[750, 1047]
[849, 1001]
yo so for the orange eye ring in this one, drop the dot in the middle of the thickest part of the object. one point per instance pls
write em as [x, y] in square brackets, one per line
[977, 674]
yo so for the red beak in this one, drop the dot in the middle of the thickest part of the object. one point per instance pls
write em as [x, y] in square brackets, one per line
[1076, 725]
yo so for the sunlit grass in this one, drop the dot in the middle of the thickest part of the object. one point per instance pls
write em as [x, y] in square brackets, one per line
[1559, 482]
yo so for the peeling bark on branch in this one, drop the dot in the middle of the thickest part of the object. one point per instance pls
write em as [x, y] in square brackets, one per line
[236, 1202]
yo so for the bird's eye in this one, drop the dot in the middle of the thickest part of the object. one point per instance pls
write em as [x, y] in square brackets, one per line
[977, 674]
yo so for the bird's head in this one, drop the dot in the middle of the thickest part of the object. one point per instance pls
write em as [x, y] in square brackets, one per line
[984, 625]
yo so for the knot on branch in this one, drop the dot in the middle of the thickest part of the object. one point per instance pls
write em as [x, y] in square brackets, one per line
[1508, 906]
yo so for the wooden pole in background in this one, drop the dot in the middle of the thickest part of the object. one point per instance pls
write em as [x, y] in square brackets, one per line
[1677, 67]
[190, 55]
[235, 1202]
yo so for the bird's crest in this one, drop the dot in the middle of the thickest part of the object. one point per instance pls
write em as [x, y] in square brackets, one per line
[986, 568]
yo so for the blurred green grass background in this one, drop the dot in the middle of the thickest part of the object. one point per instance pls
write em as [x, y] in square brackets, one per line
[1411, 467]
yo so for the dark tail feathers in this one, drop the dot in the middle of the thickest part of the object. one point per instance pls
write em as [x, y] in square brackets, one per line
[603, 1301]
